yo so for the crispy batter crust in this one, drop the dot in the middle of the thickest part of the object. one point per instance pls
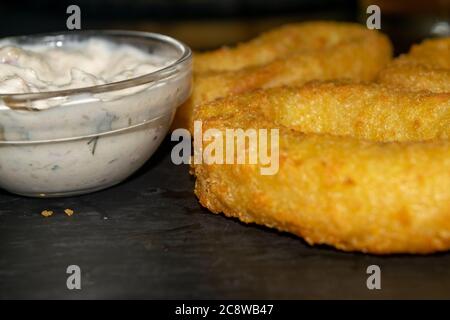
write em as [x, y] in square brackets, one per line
[362, 167]
[292, 54]
[425, 67]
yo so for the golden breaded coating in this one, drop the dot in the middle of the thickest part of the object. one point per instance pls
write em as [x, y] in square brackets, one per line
[292, 54]
[361, 167]
[425, 67]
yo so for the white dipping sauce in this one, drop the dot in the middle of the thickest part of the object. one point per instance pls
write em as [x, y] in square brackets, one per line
[78, 144]
[40, 68]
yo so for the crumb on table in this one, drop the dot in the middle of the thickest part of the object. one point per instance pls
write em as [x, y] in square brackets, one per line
[68, 212]
[47, 213]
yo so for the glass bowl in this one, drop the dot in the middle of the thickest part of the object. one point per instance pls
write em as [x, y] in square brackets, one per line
[95, 137]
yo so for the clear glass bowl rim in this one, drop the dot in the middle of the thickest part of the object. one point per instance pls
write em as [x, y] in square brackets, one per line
[157, 75]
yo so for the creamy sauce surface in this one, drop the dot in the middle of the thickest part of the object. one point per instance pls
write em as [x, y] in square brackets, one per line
[41, 68]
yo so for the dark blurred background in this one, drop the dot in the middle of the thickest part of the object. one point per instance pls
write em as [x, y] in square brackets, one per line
[208, 24]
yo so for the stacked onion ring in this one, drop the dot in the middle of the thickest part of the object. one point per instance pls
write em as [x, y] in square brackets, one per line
[362, 166]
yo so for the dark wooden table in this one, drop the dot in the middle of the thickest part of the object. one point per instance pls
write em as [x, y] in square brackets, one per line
[149, 238]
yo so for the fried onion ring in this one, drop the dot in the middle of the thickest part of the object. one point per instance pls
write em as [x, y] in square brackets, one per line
[292, 54]
[362, 167]
[425, 67]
